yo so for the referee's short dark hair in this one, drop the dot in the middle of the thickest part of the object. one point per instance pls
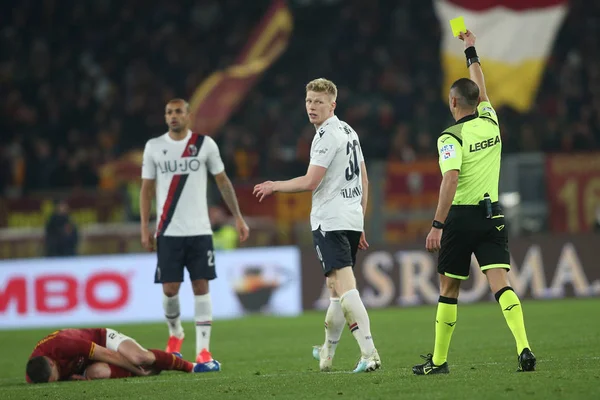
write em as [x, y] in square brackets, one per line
[467, 92]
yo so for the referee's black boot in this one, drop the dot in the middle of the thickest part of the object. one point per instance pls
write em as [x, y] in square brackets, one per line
[526, 361]
[428, 368]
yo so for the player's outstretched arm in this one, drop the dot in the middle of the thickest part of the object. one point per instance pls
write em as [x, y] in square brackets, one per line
[475, 71]
[309, 182]
[306, 183]
[228, 192]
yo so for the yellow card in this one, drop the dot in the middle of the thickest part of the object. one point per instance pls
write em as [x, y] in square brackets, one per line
[458, 26]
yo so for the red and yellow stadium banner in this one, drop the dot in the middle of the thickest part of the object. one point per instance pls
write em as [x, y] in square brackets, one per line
[514, 40]
[219, 95]
[412, 185]
[412, 189]
[573, 184]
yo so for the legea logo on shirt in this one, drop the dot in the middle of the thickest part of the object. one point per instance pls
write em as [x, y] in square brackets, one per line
[448, 151]
[321, 151]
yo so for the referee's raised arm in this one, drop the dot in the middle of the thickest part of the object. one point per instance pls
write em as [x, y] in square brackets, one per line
[473, 63]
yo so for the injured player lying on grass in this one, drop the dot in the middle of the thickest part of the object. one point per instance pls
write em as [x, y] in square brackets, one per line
[97, 353]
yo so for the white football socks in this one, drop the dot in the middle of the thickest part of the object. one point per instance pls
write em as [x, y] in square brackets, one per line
[358, 321]
[172, 313]
[203, 318]
[334, 325]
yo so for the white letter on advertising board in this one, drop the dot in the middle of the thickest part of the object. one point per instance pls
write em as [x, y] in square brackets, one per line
[416, 275]
[569, 270]
[373, 269]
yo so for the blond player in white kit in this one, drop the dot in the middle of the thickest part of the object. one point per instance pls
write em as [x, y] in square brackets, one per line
[174, 168]
[337, 176]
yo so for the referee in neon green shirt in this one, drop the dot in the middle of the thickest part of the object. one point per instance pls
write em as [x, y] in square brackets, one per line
[468, 218]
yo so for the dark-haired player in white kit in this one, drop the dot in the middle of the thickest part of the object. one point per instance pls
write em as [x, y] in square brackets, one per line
[337, 176]
[174, 167]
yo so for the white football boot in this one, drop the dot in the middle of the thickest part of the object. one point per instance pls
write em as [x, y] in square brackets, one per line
[368, 364]
[325, 359]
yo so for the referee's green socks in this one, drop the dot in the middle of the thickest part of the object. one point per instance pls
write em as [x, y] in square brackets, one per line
[513, 313]
[445, 320]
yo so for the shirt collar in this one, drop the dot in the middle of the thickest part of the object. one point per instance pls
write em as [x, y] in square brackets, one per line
[327, 121]
[185, 139]
[467, 118]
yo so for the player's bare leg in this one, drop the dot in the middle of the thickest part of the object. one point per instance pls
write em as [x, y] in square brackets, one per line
[155, 360]
[334, 326]
[135, 353]
[357, 318]
[101, 370]
[172, 309]
[513, 313]
[203, 320]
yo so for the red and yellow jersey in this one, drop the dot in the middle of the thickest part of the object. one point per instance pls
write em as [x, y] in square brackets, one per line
[70, 349]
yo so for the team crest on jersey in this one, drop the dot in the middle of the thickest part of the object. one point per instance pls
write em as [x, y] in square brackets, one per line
[448, 151]
[192, 150]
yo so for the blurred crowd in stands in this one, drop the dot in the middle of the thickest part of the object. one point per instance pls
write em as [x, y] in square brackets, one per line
[84, 82]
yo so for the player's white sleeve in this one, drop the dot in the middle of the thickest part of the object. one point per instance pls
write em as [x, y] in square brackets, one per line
[148, 165]
[323, 149]
[213, 159]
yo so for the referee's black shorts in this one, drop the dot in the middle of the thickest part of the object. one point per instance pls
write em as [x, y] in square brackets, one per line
[467, 231]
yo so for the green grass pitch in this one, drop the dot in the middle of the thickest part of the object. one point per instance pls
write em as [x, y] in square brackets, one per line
[266, 357]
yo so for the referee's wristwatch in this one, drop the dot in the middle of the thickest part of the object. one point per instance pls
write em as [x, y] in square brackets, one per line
[437, 224]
